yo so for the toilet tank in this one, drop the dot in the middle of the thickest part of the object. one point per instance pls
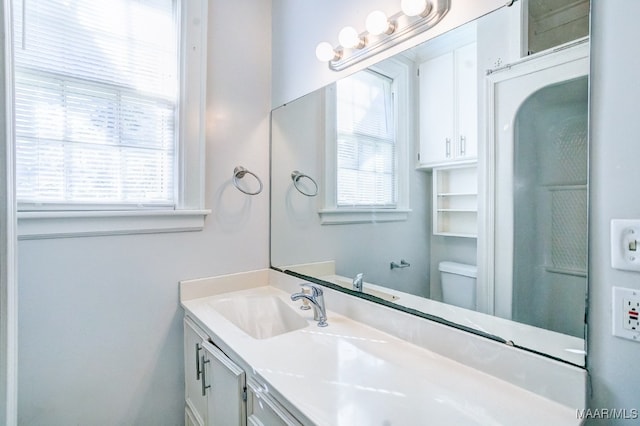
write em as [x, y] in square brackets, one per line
[458, 282]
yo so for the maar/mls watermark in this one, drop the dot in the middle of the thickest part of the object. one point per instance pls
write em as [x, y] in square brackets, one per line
[608, 413]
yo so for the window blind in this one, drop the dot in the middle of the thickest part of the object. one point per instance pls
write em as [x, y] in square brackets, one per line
[96, 89]
[366, 142]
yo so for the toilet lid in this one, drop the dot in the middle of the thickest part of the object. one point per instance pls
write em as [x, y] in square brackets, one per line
[458, 268]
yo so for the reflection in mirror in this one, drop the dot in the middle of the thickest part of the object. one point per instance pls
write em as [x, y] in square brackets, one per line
[452, 177]
[550, 217]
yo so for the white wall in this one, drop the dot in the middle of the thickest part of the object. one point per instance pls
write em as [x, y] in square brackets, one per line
[615, 174]
[100, 331]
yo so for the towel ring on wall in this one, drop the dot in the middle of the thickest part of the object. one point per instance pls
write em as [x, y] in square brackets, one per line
[296, 176]
[238, 173]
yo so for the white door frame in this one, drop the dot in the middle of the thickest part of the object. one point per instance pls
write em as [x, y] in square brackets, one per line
[507, 89]
[8, 235]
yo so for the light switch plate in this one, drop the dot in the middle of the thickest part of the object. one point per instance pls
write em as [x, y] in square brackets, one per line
[625, 244]
[626, 310]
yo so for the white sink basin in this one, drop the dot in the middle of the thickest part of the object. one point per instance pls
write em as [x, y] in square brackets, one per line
[260, 316]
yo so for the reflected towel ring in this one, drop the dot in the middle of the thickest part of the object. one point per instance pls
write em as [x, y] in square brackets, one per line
[296, 176]
[238, 173]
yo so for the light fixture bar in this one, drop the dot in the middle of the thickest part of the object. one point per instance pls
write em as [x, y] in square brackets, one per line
[419, 25]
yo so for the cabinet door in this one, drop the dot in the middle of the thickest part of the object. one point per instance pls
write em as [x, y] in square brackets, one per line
[224, 384]
[190, 419]
[436, 109]
[193, 351]
[466, 144]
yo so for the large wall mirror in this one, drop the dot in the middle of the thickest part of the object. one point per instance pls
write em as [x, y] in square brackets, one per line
[450, 180]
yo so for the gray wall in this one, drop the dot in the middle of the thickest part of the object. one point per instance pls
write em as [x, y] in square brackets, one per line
[100, 332]
[615, 175]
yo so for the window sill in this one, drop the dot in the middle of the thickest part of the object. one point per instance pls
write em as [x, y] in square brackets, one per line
[39, 225]
[340, 216]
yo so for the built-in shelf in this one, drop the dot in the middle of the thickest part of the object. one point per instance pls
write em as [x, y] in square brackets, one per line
[455, 201]
[457, 194]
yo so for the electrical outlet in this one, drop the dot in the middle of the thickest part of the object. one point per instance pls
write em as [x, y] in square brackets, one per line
[631, 310]
[626, 313]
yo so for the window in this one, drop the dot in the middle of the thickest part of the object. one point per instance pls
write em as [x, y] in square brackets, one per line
[101, 94]
[367, 146]
[366, 141]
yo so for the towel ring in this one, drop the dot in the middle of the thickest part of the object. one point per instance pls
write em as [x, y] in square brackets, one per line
[238, 173]
[296, 176]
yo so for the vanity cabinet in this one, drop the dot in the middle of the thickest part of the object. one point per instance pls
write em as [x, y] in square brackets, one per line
[455, 201]
[218, 391]
[448, 116]
[215, 386]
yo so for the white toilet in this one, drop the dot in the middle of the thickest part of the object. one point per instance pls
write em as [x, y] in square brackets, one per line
[458, 282]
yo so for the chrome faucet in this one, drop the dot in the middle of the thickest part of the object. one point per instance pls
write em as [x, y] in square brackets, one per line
[316, 298]
[357, 283]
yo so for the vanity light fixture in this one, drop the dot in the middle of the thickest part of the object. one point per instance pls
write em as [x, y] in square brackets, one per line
[350, 39]
[377, 23]
[325, 52]
[382, 32]
[415, 7]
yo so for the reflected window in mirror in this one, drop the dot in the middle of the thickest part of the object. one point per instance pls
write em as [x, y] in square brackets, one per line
[366, 141]
[367, 130]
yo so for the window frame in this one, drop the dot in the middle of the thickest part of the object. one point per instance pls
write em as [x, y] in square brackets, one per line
[331, 213]
[189, 212]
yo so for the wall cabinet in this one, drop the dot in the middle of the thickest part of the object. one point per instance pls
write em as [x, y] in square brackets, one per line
[455, 201]
[215, 386]
[448, 104]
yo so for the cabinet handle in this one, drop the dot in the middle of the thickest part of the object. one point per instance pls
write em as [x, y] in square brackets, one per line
[204, 376]
[198, 371]
[463, 146]
[448, 147]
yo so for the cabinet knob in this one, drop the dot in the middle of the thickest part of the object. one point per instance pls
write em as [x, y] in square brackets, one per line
[448, 147]
[463, 145]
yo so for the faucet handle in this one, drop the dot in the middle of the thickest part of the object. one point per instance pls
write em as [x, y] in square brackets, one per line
[305, 303]
[315, 290]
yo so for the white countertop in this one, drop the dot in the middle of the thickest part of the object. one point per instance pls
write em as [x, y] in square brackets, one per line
[561, 346]
[558, 345]
[351, 374]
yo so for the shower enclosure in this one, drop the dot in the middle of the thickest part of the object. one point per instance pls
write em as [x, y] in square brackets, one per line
[536, 222]
[550, 208]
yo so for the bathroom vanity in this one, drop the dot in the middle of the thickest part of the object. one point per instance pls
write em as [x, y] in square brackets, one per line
[252, 356]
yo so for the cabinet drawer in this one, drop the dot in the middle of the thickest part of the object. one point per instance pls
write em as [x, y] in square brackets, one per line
[264, 410]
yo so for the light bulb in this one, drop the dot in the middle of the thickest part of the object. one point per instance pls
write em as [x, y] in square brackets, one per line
[377, 23]
[415, 7]
[325, 52]
[349, 38]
